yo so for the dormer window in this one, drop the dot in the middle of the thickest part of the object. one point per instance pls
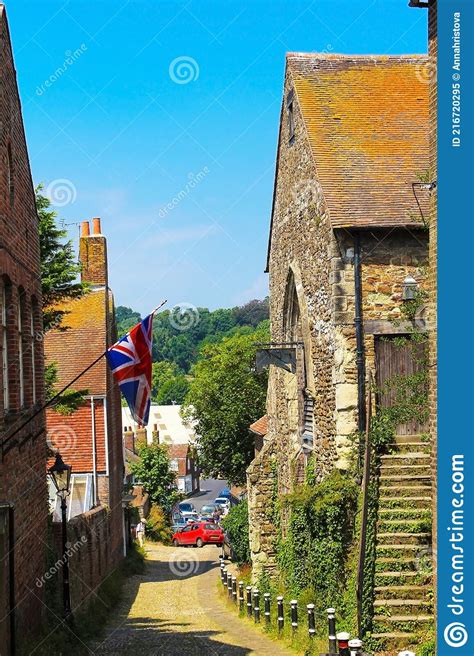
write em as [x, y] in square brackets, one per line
[291, 117]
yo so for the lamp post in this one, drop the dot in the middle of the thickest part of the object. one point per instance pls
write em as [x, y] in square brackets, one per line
[61, 476]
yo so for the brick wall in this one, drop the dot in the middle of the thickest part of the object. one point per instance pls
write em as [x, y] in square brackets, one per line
[91, 560]
[23, 458]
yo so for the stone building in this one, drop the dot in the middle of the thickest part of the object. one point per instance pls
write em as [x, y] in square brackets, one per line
[348, 234]
[23, 507]
[90, 439]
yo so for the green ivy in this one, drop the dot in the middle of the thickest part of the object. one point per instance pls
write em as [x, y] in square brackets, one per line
[312, 554]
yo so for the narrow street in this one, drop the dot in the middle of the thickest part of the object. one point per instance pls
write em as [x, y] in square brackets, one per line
[174, 608]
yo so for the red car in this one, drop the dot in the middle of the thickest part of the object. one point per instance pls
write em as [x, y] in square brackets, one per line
[199, 534]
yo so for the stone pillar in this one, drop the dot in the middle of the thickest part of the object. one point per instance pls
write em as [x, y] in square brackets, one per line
[155, 435]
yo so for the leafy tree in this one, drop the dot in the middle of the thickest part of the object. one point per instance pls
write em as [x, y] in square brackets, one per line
[59, 269]
[59, 283]
[225, 397]
[126, 318]
[173, 391]
[236, 525]
[252, 313]
[169, 384]
[154, 473]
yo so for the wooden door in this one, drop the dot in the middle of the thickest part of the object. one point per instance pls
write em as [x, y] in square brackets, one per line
[397, 355]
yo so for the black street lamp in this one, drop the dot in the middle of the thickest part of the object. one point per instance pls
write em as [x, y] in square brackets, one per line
[61, 475]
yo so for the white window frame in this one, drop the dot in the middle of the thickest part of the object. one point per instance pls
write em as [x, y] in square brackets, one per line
[21, 369]
[174, 465]
[6, 385]
[55, 501]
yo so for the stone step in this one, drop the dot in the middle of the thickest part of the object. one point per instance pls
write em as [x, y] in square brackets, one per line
[396, 564]
[403, 439]
[418, 539]
[404, 490]
[397, 550]
[401, 591]
[401, 502]
[401, 607]
[404, 513]
[400, 578]
[393, 479]
[406, 470]
[407, 525]
[409, 447]
[408, 623]
[405, 460]
[394, 640]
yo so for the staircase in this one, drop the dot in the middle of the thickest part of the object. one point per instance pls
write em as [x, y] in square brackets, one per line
[403, 578]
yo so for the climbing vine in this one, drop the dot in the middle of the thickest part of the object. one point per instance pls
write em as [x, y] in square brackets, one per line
[313, 553]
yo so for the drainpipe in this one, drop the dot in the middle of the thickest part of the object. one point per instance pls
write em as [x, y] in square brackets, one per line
[94, 452]
[359, 331]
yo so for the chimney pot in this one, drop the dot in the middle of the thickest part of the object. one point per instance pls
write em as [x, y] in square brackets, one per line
[85, 229]
[96, 226]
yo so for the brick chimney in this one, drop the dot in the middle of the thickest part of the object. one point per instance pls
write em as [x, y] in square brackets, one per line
[93, 254]
[129, 439]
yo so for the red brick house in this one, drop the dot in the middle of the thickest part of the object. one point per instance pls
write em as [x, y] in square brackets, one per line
[182, 462]
[90, 439]
[23, 507]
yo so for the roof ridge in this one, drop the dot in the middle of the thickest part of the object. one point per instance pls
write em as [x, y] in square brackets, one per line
[369, 57]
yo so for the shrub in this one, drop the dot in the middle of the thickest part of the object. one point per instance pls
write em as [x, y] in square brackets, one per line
[236, 525]
[158, 528]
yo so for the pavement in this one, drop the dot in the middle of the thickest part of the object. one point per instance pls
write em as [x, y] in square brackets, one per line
[210, 489]
[175, 608]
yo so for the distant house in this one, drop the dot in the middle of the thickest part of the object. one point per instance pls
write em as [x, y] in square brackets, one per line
[166, 426]
[90, 439]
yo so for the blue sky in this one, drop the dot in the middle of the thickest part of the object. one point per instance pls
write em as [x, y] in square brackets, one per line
[129, 104]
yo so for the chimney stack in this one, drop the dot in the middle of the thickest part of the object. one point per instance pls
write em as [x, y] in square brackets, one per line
[129, 439]
[93, 254]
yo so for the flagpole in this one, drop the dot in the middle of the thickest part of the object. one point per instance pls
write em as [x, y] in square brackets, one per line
[61, 392]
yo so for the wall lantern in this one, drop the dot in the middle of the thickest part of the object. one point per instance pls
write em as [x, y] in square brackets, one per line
[409, 289]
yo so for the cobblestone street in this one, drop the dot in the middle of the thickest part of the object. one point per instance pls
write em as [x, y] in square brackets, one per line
[174, 608]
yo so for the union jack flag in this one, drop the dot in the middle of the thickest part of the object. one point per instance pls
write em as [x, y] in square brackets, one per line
[130, 362]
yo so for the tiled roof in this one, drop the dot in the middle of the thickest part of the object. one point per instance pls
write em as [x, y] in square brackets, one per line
[366, 119]
[260, 427]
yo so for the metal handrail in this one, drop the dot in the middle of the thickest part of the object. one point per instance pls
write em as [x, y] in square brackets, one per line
[365, 508]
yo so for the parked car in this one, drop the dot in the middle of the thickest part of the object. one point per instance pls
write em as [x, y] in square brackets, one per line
[225, 493]
[207, 512]
[223, 502]
[192, 518]
[177, 522]
[186, 508]
[198, 535]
